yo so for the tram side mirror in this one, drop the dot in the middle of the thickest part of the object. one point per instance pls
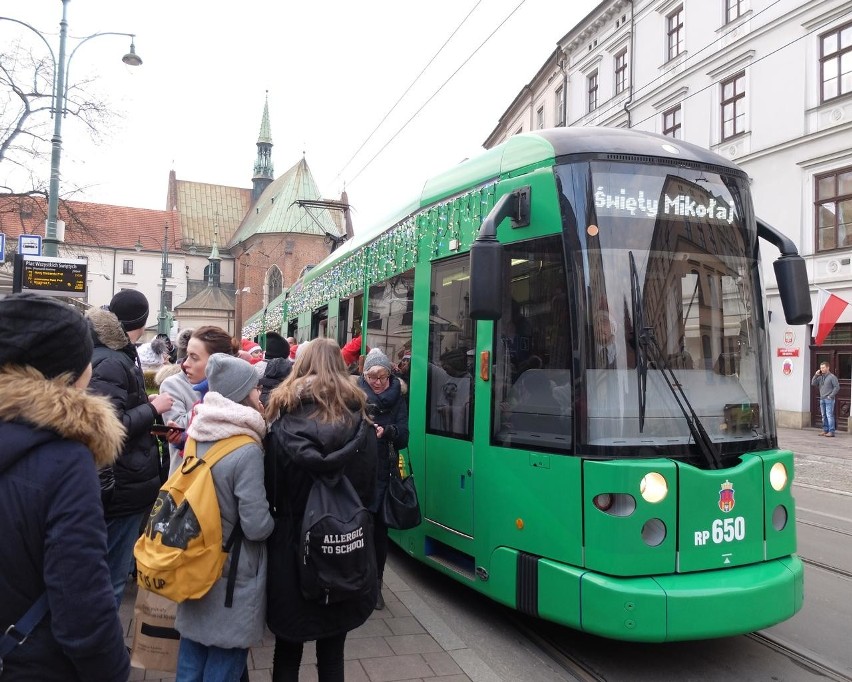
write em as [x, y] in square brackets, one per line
[486, 279]
[486, 255]
[792, 276]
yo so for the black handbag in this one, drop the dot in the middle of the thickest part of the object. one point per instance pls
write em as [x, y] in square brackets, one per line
[400, 508]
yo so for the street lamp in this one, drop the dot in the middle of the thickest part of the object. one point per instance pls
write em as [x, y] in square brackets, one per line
[57, 109]
[163, 321]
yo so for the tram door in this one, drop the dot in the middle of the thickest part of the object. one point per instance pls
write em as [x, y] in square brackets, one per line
[449, 398]
[840, 361]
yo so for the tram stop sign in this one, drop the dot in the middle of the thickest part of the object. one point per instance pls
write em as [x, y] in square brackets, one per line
[50, 276]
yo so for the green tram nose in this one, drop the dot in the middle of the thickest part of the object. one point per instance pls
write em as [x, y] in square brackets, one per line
[675, 552]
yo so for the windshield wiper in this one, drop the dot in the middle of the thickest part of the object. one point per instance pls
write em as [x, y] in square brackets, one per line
[645, 340]
[638, 326]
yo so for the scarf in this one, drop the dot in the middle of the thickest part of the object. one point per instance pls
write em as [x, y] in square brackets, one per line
[217, 418]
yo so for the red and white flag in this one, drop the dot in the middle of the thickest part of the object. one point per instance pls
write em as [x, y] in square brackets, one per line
[830, 307]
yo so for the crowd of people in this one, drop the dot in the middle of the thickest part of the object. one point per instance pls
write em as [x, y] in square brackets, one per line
[81, 469]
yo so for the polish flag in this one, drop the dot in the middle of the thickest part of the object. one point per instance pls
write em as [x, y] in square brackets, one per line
[830, 308]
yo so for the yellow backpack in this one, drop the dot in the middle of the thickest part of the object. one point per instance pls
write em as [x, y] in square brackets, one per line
[180, 555]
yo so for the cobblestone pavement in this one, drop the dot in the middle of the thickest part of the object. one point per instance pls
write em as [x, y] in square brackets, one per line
[822, 462]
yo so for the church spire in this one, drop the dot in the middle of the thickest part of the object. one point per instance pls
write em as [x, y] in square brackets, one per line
[263, 171]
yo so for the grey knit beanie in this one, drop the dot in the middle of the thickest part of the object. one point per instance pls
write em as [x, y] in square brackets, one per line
[375, 358]
[233, 377]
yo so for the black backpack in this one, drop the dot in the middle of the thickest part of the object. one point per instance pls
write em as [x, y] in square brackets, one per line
[337, 558]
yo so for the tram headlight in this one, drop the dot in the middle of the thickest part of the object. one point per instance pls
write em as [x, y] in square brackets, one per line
[653, 487]
[778, 476]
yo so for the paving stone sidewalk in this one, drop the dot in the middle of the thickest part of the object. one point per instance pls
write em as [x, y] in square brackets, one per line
[405, 641]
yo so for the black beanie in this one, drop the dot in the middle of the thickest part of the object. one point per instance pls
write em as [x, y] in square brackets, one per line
[41, 332]
[276, 346]
[131, 309]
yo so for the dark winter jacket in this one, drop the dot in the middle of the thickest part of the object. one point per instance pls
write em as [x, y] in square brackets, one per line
[116, 374]
[53, 530]
[387, 409]
[299, 446]
[276, 371]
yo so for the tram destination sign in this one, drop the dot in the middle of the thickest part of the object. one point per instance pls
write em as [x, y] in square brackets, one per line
[53, 276]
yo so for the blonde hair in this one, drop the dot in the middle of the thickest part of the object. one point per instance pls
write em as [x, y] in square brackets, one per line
[320, 376]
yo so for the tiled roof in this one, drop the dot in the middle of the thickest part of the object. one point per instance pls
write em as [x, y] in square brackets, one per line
[277, 212]
[204, 208]
[211, 298]
[88, 224]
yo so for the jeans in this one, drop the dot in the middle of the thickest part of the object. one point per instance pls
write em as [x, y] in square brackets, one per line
[122, 533]
[199, 663]
[826, 408]
[288, 657]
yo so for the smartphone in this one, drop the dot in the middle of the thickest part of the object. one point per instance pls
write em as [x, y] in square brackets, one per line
[163, 430]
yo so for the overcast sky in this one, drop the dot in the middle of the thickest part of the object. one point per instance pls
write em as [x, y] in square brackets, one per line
[333, 69]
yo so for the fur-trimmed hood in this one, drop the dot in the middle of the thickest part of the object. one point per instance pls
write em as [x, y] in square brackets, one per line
[106, 329]
[26, 396]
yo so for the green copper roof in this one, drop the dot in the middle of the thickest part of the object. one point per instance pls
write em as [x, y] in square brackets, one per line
[276, 211]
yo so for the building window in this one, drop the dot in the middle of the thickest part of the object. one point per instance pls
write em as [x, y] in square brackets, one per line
[592, 82]
[560, 106]
[675, 32]
[835, 62]
[519, 130]
[834, 209]
[167, 299]
[127, 267]
[671, 122]
[166, 270]
[733, 10]
[539, 118]
[733, 106]
[274, 284]
[621, 71]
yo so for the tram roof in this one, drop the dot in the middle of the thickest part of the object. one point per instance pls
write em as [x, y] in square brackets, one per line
[523, 150]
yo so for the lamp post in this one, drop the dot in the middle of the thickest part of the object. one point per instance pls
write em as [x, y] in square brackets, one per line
[58, 109]
[163, 317]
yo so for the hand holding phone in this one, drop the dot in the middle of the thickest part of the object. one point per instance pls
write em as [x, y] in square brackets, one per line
[165, 429]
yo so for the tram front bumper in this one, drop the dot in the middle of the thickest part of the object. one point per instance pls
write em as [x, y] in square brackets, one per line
[701, 605]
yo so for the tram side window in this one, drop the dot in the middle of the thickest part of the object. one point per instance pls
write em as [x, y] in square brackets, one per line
[389, 317]
[532, 399]
[449, 396]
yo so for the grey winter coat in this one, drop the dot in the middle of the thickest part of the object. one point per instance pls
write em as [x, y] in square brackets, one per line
[180, 389]
[238, 479]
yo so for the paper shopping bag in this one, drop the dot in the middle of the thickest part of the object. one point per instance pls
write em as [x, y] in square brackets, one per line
[155, 640]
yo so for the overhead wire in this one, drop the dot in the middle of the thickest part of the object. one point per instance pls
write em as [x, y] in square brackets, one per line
[435, 94]
[408, 89]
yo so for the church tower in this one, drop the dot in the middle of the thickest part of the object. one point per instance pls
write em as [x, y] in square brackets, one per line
[263, 171]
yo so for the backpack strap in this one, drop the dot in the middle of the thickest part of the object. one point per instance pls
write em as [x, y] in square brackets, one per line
[17, 633]
[216, 452]
[234, 543]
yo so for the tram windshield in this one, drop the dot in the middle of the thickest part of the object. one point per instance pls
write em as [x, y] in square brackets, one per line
[664, 272]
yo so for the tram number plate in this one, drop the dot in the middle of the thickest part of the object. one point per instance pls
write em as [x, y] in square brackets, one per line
[722, 530]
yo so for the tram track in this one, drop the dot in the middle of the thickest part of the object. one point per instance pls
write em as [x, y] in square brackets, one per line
[799, 657]
[578, 669]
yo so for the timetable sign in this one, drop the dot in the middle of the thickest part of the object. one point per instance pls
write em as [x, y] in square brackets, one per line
[53, 276]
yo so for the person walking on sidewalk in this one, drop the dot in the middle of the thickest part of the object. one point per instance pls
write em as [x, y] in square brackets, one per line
[319, 426]
[215, 637]
[828, 388]
[388, 409]
[54, 437]
[117, 375]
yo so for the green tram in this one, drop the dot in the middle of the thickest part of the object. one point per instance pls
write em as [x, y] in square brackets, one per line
[590, 400]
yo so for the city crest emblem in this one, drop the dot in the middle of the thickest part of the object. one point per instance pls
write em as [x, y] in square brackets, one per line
[726, 497]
